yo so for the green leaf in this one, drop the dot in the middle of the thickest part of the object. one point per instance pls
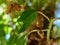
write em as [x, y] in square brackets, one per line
[12, 40]
[26, 14]
[56, 32]
[21, 40]
[55, 28]
[28, 22]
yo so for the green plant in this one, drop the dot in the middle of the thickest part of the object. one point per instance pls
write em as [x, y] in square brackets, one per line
[27, 20]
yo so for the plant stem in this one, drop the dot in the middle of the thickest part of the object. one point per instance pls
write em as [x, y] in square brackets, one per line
[48, 31]
[44, 15]
[50, 26]
[32, 31]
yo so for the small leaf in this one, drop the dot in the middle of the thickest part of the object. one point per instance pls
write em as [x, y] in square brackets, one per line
[56, 31]
[55, 28]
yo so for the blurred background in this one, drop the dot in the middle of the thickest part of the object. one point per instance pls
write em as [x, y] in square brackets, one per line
[9, 24]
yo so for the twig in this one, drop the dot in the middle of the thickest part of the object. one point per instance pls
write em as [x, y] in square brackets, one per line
[29, 34]
[41, 35]
[48, 31]
[44, 16]
[44, 30]
[32, 31]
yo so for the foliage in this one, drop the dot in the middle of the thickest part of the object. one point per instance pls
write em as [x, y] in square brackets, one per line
[16, 16]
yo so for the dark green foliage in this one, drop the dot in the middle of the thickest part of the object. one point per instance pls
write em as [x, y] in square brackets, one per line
[28, 18]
